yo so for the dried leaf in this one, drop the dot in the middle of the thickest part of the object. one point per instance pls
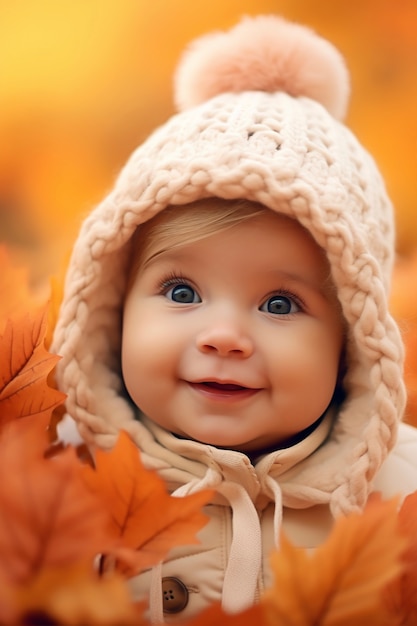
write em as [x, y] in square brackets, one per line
[29, 438]
[48, 517]
[144, 516]
[400, 596]
[75, 596]
[24, 369]
[340, 583]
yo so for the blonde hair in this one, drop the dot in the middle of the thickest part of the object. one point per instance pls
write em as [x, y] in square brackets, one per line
[185, 224]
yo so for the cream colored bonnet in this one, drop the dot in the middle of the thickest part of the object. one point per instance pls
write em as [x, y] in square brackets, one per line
[260, 118]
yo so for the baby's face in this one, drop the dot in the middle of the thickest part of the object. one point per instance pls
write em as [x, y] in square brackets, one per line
[235, 339]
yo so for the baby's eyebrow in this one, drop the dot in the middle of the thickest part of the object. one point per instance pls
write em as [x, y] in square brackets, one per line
[325, 287]
[174, 254]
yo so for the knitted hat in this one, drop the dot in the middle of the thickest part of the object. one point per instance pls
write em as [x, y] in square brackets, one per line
[260, 109]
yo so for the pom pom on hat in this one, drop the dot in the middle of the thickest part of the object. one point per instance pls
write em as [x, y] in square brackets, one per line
[263, 53]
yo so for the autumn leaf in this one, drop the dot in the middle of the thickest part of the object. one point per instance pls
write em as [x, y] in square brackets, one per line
[339, 583]
[24, 369]
[74, 596]
[145, 517]
[400, 596]
[48, 517]
[32, 435]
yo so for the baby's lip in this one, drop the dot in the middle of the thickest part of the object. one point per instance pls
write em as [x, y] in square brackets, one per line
[223, 390]
[224, 385]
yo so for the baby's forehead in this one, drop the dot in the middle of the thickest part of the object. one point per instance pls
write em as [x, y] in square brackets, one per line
[248, 258]
[190, 222]
[181, 225]
[187, 225]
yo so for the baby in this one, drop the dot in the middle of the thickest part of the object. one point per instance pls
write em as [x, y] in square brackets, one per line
[226, 305]
[235, 309]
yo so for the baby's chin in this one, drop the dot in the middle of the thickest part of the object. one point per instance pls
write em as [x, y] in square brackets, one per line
[224, 431]
[251, 448]
[217, 440]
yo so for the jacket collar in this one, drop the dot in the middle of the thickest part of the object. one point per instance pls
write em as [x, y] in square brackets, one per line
[182, 462]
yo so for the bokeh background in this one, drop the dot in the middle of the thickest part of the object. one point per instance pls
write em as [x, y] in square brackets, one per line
[83, 82]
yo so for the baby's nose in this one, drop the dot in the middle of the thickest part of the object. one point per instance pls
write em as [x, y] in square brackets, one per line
[225, 339]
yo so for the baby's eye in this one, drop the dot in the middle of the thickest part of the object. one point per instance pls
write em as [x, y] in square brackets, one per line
[183, 293]
[280, 305]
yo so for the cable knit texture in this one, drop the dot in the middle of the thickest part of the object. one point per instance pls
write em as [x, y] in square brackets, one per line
[275, 141]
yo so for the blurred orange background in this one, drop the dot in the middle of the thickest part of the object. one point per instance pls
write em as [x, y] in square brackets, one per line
[83, 82]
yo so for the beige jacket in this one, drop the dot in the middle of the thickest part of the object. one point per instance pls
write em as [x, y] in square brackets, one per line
[253, 504]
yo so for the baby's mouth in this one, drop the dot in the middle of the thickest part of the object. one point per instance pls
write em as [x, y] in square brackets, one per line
[223, 391]
[229, 387]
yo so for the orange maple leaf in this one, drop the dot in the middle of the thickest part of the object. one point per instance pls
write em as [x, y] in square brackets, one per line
[32, 434]
[401, 595]
[339, 583]
[146, 519]
[48, 517]
[24, 369]
[73, 595]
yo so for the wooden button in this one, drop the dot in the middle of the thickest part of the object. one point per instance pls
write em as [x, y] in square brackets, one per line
[174, 595]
